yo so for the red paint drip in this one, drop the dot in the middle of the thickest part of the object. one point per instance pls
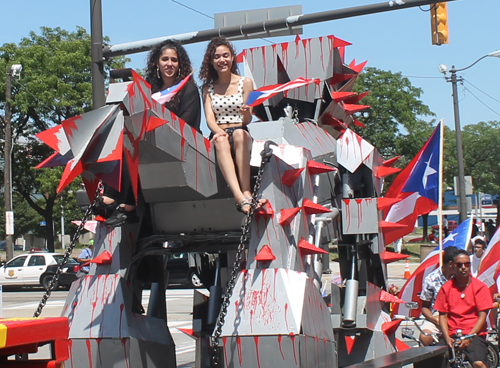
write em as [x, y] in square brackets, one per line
[292, 337]
[360, 211]
[99, 349]
[281, 350]
[286, 314]
[224, 341]
[121, 317]
[256, 339]
[124, 344]
[89, 351]
[238, 347]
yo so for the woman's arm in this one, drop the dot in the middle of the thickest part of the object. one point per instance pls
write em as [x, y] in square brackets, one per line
[246, 110]
[209, 112]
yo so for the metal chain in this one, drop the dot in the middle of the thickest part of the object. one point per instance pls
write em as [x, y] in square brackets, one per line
[214, 339]
[71, 246]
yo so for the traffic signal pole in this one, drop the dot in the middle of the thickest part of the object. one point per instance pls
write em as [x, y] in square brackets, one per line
[98, 56]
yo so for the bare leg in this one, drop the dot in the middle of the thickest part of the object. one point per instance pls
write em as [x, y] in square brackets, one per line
[227, 168]
[242, 146]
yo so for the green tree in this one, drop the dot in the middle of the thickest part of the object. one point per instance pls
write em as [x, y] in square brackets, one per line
[55, 85]
[394, 122]
[481, 147]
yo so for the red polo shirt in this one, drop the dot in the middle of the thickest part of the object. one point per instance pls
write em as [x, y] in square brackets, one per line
[463, 312]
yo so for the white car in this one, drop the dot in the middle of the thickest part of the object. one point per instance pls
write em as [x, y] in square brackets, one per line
[26, 269]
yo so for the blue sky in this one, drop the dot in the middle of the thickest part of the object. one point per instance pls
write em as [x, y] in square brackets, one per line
[398, 41]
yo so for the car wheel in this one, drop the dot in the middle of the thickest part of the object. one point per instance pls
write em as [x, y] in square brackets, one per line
[195, 280]
[46, 282]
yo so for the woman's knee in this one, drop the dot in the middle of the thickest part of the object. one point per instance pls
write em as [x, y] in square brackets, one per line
[241, 136]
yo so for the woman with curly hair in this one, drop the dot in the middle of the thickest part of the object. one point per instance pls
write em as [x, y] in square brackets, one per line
[167, 64]
[224, 94]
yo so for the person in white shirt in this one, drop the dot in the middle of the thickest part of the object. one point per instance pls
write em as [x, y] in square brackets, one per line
[475, 258]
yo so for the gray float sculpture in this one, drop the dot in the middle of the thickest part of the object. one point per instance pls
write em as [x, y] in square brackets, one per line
[321, 182]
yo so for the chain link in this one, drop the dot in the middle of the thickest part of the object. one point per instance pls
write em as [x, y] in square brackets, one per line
[214, 339]
[71, 246]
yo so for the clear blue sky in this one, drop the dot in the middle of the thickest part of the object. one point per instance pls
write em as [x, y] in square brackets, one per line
[398, 41]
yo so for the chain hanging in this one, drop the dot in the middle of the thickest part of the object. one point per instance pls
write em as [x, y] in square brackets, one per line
[71, 246]
[266, 155]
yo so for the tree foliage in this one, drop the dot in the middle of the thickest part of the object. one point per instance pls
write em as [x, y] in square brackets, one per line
[394, 122]
[55, 85]
[481, 148]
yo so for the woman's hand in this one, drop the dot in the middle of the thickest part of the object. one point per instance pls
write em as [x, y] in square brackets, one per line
[245, 108]
[217, 135]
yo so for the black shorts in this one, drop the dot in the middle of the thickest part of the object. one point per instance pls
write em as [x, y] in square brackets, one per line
[477, 350]
[229, 132]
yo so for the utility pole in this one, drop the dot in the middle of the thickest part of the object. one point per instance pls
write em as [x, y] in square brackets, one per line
[9, 215]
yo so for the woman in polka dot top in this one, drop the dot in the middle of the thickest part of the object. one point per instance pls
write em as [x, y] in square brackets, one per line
[224, 93]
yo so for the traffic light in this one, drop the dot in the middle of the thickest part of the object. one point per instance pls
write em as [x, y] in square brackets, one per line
[439, 23]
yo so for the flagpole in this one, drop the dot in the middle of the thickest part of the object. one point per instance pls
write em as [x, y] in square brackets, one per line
[440, 191]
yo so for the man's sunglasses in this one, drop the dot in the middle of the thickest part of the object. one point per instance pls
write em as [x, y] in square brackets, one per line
[462, 264]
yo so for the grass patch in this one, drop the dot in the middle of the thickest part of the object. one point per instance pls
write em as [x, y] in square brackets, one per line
[413, 250]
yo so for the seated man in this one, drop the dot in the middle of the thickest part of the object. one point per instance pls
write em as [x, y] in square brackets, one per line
[463, 303]
[430, 289]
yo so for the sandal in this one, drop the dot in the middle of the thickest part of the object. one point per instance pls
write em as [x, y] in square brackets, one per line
[248, 201]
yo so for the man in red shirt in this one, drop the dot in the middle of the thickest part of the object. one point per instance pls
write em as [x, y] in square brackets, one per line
[463, 303]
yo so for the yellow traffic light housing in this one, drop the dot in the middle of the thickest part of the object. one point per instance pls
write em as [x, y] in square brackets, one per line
[439, 23]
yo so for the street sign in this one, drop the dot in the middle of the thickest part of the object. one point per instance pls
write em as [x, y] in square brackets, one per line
[43, 223]
[9, 223]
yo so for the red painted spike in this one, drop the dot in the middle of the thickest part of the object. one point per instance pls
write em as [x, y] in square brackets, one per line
[358, 68]
[341, 96]
[240, 57]
[352, 64]
[297, 39]
[154, 122]
[337, 42]
[389, 298]
[390, 327]
[103, 258]
[189, 332]
[100, 218]
[265, 254]
[400, 345]
[390, 225]
[315, 168]
[356, 99]
[307, 248]
[287, 215]
[349, 342]
[390, 162]
[265, 211]
[291, 176]
[358, 123]
[383, 171]
[351, 108]
[389, 257]
[383, 202]
[313, 208]
[328, 119]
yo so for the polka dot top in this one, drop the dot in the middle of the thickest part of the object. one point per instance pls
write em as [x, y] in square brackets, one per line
[227, 108]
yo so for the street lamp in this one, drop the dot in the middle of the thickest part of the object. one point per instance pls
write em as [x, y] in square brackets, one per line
[12, 72]
[462, 204]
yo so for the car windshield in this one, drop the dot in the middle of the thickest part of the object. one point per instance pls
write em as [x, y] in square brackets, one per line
[59, 258]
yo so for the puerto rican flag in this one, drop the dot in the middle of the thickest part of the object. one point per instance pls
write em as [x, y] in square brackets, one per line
[260, 95]
[415, 191]
[489, 268]
[459, 238]
[167, 94]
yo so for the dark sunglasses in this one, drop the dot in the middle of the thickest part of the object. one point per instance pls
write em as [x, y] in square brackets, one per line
[462, 264]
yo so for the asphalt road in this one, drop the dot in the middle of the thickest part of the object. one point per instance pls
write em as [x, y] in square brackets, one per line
[23, 303]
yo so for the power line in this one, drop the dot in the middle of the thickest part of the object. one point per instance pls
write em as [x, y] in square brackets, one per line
[489, 108]
[197, 11]
[493, 98]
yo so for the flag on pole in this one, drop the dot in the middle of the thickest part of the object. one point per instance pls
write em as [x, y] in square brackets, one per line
[489, 267]
[260, 95]
[168, 93]
[459, 238]
[416, 190]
